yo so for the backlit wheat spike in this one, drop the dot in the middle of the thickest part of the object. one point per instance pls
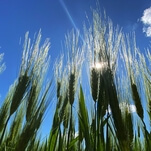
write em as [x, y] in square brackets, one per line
[59, 75]
[137, 101]
[19, 93]
[58, 89]
[129, 124]
[31, 102]
[94, 83]
[71, 90]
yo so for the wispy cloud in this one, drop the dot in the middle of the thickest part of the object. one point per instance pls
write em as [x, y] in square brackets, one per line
[146, 20]
[131, 27]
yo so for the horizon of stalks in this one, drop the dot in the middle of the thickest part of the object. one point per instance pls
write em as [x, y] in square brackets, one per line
[102, 94]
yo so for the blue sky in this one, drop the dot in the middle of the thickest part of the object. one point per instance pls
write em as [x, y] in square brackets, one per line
[55, 18]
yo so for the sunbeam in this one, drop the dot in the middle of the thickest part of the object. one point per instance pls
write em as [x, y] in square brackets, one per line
[69, 16]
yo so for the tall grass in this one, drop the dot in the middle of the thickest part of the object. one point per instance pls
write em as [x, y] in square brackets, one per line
[118, 76]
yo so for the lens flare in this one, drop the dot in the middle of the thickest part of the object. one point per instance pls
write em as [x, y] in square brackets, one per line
[70, 17]
[68, 14]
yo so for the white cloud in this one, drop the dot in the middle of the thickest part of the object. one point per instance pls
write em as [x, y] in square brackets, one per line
[146, 20]
[147, 30]
[76, 134]
[130, 107]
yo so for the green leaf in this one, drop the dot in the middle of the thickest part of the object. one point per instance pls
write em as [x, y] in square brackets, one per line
[73, 142]
[84, 120]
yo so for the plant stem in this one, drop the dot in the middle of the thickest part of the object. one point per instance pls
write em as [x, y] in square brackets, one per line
[70, 129]
[95, 128]
[107, 133]
[1, 139]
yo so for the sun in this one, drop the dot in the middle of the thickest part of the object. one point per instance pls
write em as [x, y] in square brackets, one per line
[99, 65]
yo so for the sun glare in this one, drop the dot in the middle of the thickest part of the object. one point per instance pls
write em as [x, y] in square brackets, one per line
[99, 65]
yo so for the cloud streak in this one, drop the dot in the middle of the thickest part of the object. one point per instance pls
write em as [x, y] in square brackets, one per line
[146, 20]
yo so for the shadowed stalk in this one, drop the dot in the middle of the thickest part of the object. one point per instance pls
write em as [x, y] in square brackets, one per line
[116, 112]
[107, 147]
[16, 127]
[28, 132]
[137, 101]
[102, 107]
[95, 126]
[4, 111]
[2, 136]
[71, 93]
[70, 129]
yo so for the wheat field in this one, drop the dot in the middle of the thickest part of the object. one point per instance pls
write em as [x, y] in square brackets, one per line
[101, 88]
